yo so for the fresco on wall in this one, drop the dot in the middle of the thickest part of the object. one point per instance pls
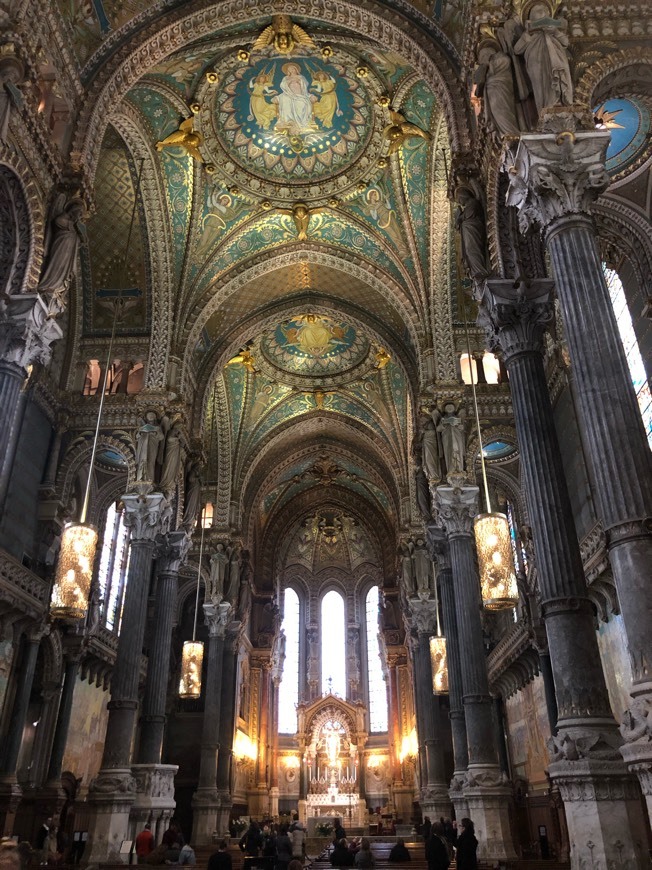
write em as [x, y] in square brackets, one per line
[86, 732]
[528, 731]
[615, 663]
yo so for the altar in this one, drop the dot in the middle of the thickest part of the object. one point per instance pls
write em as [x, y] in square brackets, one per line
[324, 808]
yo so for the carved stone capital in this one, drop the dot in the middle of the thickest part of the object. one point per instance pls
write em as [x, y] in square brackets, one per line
[438, 544]
[424, 615]
[147, 516]
[26, 330]
[636, 726]
[515, 316]
[216, 617]
[457, 506]
[171, 551]
[155, 780]
[557, 175]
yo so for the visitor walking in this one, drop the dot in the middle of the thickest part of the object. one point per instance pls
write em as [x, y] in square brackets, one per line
[437, 849]
[467, 846]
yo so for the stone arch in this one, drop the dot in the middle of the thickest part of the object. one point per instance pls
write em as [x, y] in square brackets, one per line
[597, 72]
[80, 453]
[16, 233]
[120, 63]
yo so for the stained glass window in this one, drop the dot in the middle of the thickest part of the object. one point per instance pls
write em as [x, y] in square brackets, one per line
[114, 566]
[333, 644]
[378, 713]
[632, 350]
[288, 692]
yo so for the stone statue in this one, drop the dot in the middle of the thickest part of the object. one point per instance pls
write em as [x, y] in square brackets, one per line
[430, 446]
[423, 493]
[171, 459]
[451, 427]
[236, 556]
[495, 84]
[12, 73]
[470, 222]
[66, 231]
[407, 567]
[422, 568]
[219, 567]
[192, 495]
[148, 441]
[544, 45]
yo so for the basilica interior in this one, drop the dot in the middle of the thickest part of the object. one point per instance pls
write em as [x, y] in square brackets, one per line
[325, 421]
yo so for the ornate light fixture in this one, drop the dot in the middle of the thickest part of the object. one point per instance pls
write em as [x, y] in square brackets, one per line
[192, 655]
[245, 750]
[72, 581]
[438, 655]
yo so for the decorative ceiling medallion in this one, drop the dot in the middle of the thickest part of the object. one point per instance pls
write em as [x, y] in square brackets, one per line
[628, 121]
[292, 128]
[314, 345]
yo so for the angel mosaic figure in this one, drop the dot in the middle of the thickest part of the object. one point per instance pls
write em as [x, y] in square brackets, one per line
[401, 129]
[283, 35]
[185, 137]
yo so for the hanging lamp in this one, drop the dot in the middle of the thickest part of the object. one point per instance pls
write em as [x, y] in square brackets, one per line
[74, 574]
[438, 655]
[492, 535]
[192, 655]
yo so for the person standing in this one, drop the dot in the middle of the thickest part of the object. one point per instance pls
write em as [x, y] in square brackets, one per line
[298, 837]
[42, 841]
[220, 860]
[144, 843]
[283, 849]
[187, 855]
[437, 854]
[467, 846]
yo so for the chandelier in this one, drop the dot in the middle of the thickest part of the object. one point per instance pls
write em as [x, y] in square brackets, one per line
[192, 654]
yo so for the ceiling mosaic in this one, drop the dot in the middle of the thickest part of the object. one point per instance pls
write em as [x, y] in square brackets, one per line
[316, 345]
[331, 538]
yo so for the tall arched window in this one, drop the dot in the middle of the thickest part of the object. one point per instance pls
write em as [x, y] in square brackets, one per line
[378, 713]
[630, 345]
[333, 644]
[114, 565]
[288, 691]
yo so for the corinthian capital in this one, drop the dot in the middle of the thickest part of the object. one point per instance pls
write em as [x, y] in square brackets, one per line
[557, 175]
[216, 617]
[516, 316]
[423, 615]
[148, 516]
[457, 506]
[26, 330]
[171, 550]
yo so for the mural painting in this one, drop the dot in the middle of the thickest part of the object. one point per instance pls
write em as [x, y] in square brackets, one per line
[528, 731]
[86, 732]
[615, 662]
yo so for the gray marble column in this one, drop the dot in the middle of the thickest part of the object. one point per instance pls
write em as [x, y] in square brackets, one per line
[437, 539]
[57, 752]
[113, 791]
[554, 180]
[487, 790]
[205, 801]
[227, 725]
[435, 801]
[171, 553]
[515, 319]
[26, 336]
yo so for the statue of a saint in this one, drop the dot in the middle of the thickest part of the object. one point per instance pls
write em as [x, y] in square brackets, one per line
[235, 564]
[430, 446]
[192, 495]
[451, 427]
[470, 222]
[171, 459]
[495, 84]
[407, 567]
[423, 493]
[12, 73]
[219, 566]
[544, 45]
[422, 568]
[66, 231]
[148, 440]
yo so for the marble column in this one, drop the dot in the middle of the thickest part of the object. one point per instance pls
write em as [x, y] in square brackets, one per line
[275, 681]
[205, 802]
[555, 178]
[586, 763]
[486, 790]
[26, 336]
[227, 726]
[155, 781]
[437, 540]
[435, 801]
[10, 791]
[113, 791]
[73, 654]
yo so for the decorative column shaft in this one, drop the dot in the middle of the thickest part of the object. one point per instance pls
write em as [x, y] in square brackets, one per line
[486, 790]
[172, 551]
[227, 726]
[205, 801]
[63, 721]
[455, 687]
[515, 319]
[554, 180]
[113, 791]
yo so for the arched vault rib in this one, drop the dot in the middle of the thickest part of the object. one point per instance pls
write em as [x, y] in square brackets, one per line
[174, 29]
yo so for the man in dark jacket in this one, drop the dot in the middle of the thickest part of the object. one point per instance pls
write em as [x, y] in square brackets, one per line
[436, 849]
[220, 860]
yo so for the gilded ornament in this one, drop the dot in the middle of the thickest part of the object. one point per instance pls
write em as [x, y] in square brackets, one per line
[243, 55]
[382, 163]
[383, 101]
[401, 129]
[185, 137]
[195, 107]
[327, 51]
[362, 72]
[266, 205]
[210, 168]
[284, 35]
[211, 77]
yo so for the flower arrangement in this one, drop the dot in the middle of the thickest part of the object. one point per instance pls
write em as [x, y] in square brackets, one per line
[324, 829]
[239, 826]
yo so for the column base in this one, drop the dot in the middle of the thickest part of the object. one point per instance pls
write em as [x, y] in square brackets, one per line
[456, 795]
[258, 802]
[205, 806]
[155, 801]
[403, 798]
[10, 795]
[488, 795]
[603, 812]
[637, 749]
[435, 802]
[273, 801]
[110, 798]
[302, 810]
[224, 812]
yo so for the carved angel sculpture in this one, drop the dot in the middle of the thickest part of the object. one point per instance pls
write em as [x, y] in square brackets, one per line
[401, 129]
[300, 214]
[284, 35]
[185, 137]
